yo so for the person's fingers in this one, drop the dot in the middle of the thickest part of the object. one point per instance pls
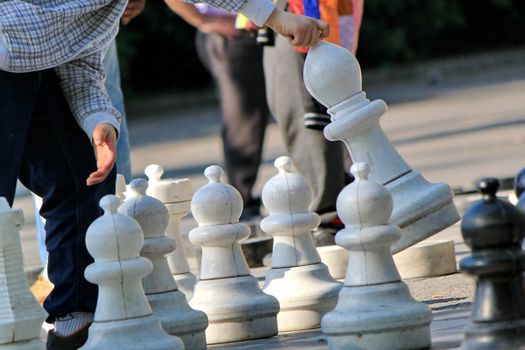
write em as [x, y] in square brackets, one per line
[307, 38]
[324, 28]
[298, 38]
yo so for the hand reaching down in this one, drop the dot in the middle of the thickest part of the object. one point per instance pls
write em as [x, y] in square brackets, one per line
[300, 30]
[105, 147]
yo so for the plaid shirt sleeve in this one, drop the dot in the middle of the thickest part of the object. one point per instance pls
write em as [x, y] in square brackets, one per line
[82, 82]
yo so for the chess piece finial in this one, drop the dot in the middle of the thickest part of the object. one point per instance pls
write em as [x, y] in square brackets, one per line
[332, 75]
[327, 85]
[297, 278]
[226, 292]
[494, 230]
[21, 315]
[375, 309]
[168, 303]
[176, 195]
[123, 318]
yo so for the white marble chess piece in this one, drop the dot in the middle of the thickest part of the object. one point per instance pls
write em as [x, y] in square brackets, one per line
[123, 318]
[21, 316]
[375, 309]
[237, 309]
[297, 278]
[120, 187]
[332, 75]
[176, 196]
[169, 304]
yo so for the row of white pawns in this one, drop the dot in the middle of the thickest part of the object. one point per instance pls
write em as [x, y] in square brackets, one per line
[142, 306]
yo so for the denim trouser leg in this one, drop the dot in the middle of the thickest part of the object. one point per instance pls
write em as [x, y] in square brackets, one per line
[112, 67]
[54, 160]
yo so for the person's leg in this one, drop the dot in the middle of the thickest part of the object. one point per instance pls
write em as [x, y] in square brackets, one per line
[317, 159]
[17, 94]
[58, 158]
[237, 67]
[111, 64]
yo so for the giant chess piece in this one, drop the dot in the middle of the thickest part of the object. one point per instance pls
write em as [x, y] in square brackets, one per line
[494, 230]
[298, 278]
[169, 304]
[375, 309]
[332, 76]
[21, 316]
[237, 309]
[176, 196]
[123, 318]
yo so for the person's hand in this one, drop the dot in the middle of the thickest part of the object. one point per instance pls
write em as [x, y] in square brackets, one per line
[300, 30]
[105, 146]
[251, 27]
[224, 26]
[133, 9]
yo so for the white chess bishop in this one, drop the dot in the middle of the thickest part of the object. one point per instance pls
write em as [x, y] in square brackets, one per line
[297, 278]
[21, 316]
[375, 309]
[123, 318]
[169, 304]
[176, 196]
[332, 76]
[237, 309]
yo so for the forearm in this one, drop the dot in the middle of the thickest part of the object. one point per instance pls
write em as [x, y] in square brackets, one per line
[257, 10]
[187, 12]
[40, 37]
[82, 82]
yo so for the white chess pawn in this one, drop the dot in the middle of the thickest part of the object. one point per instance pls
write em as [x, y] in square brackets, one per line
[375, 309]
[332, 75]
[123, 318]
[176, 196]
[21, 316]
[237, 309]
[298, 278]
[168, 303]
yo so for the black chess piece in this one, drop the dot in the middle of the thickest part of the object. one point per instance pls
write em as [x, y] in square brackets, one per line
[519, 188]
[494, 230]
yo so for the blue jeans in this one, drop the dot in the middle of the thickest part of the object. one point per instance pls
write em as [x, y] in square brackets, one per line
[42, 145]
[115, 94]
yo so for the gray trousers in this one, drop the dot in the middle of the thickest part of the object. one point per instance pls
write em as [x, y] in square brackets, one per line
[320, 161]
[236, 65]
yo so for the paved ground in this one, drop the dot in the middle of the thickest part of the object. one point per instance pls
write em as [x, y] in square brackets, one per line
[456, 131]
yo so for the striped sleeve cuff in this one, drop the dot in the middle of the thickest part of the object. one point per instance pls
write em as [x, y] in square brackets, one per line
[91, 122]
[258, 10]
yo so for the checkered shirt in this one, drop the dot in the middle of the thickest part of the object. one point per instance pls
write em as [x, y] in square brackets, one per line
[71, 35]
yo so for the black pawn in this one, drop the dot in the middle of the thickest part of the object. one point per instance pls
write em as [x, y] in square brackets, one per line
[494, 230]
[519, 188]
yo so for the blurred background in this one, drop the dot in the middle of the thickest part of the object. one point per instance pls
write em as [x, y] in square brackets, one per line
[157, 50]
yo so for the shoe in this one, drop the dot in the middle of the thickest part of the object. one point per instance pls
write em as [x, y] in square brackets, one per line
[71, 342]
[251, 211]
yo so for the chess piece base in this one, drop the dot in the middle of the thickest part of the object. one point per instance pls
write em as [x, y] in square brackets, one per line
[378, 317]
[426, 259]
[305, 294]
[237, 309]
[178, 319]
[34, 344]
[421, 208]
[133, 334]
[186, 282]
[494, 336]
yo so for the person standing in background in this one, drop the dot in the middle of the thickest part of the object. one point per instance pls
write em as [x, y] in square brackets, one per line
[300, 117]
[227, 47]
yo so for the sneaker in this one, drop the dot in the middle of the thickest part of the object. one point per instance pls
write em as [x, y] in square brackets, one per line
[71, 342]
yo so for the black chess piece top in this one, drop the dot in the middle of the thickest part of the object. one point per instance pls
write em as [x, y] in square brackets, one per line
[494, 230]
[519, 188]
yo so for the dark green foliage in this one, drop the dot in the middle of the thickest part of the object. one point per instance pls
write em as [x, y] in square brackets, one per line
[158, 53]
